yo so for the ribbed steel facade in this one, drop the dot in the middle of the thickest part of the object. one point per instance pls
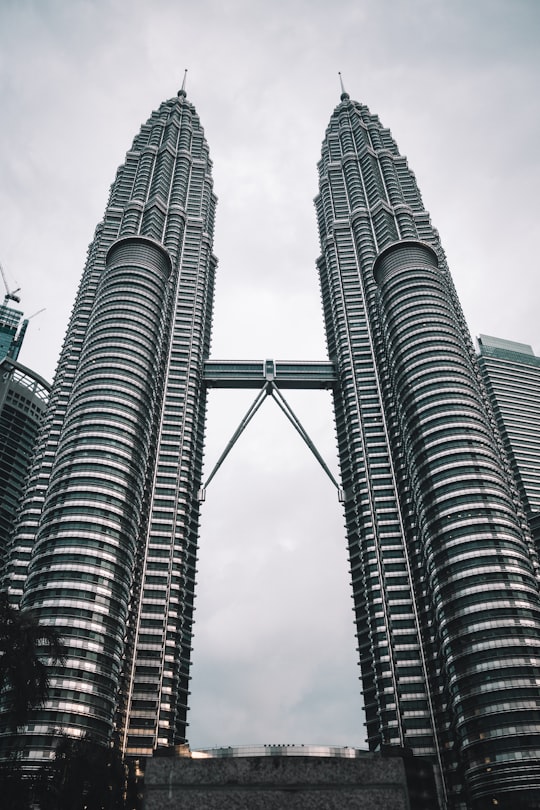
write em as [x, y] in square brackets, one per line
[105, 550]
[443, 570]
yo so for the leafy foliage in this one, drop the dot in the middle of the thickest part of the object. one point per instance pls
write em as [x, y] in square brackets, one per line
[26, 647]
[85, 776]
[15, 789]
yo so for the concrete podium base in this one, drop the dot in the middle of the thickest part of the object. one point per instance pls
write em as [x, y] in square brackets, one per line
[370, 782]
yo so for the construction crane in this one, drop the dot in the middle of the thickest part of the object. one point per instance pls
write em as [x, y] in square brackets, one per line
[11, 295]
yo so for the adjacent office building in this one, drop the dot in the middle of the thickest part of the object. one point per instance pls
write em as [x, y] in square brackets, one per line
[12, 329]
[23, 399]
[512, 375]
[444, 571]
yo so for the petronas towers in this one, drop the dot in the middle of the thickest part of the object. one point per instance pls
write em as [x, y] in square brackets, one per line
[444, 571]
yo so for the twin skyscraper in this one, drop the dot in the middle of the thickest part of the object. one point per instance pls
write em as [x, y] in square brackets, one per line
[445, 573]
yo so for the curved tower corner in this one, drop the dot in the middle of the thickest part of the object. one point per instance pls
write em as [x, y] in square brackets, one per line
[106, 545]
[444, 573]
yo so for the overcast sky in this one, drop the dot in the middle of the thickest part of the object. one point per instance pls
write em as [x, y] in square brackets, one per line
[456, 81]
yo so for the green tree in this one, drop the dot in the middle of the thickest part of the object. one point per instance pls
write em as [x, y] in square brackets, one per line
[15, 788]
[26, 649]
[85, 775]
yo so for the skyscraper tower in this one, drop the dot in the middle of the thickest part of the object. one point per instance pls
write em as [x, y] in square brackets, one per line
[105, 549]
[512, 375]
[23, 399]
[11, 330]
[443, 567]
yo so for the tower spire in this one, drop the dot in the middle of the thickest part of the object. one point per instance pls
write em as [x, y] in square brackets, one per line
[344, 94]
[182, 91]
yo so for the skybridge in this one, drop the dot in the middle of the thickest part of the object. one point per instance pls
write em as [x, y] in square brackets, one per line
[254, 373]
[270, 377]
